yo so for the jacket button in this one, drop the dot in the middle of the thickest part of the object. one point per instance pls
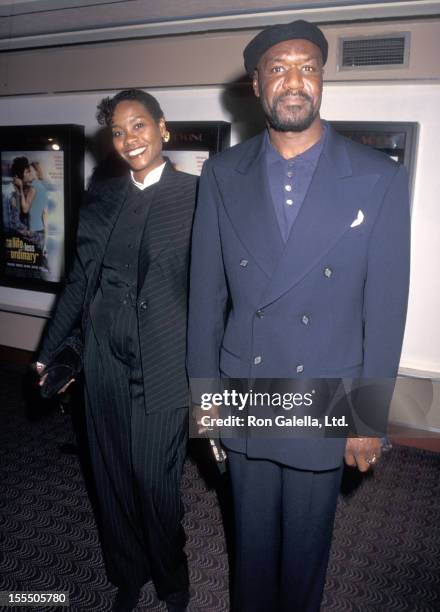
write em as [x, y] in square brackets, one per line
[328, 272]
[257, 360]
[299, 368]
[143, 305]
[243, 263]
[260, 313]
[305, 319]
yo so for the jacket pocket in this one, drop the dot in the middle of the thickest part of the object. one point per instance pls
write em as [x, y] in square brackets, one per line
[231, 365]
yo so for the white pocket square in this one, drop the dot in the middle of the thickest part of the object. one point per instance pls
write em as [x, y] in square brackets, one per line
[359, 219]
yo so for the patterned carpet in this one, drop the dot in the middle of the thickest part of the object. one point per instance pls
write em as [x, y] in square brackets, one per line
[386, 548]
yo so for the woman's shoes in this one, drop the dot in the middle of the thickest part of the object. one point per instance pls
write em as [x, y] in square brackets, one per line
[177, 602]
[125, 601]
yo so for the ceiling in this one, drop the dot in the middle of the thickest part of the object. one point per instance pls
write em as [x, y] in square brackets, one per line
[38, 23]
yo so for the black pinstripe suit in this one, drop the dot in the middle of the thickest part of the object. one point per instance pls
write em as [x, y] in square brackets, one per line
[136, 416]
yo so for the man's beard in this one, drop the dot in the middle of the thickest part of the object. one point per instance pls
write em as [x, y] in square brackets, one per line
[296, 122]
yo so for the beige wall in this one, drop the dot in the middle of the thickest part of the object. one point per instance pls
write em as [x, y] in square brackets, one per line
[369, 101]
[196, 59]
[169, 64]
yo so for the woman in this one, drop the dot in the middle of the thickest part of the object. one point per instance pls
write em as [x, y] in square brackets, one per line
[12, 211]
[25, 217]
[128, 292]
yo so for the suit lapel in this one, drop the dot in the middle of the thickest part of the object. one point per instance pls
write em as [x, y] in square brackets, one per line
[249, 207]
[332, 203]
[159, 233]
[98, 219]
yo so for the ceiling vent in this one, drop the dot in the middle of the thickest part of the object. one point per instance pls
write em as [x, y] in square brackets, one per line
[370, 52]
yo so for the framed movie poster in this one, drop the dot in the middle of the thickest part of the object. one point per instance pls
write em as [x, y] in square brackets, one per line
[41, 188]
[192, 142]
[396, 139]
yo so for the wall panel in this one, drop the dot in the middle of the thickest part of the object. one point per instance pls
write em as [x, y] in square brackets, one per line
[196, 59]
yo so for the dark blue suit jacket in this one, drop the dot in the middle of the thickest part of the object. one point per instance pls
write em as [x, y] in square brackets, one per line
[344, 271]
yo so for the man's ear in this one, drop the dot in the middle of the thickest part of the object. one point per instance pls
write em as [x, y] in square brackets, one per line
[255, 84]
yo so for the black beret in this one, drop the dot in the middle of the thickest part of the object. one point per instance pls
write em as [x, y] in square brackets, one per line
[272, 35]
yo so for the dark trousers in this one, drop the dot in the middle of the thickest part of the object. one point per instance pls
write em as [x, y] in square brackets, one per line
[137, 460]
[283, 525]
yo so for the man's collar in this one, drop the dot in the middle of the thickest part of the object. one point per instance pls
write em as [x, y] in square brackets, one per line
[273, 156]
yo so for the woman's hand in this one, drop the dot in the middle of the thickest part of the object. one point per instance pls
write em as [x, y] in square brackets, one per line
[39, 367]
[198, 413]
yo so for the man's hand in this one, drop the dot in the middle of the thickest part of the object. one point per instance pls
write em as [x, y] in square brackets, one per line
[362, 453]
[18, 183]
[198, 412]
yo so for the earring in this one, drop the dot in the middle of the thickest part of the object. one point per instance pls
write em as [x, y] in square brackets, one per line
[166, 137]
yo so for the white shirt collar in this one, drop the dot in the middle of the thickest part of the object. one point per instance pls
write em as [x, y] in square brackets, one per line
[151, 178]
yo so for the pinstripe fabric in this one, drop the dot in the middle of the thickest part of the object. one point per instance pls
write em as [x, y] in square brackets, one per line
[109, 434]
[113, 311]
[137, 419]
[158, 452]
[162, 281]
[137, 462]
[162, 325]
[98, 215]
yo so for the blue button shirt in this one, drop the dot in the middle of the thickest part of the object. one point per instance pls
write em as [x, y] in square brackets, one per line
[289, 180]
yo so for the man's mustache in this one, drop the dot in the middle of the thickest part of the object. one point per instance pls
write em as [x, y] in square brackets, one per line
[292, 93]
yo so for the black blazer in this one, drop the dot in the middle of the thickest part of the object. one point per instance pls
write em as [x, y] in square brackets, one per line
[162, 281]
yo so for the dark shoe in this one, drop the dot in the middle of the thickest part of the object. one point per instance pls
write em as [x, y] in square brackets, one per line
[125, 601]
[177, 602]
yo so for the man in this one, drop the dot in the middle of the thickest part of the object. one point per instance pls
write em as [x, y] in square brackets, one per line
[299, 270]
[37, 210]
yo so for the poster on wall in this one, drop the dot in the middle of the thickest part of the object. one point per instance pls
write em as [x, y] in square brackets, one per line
[192, 142]
[33, 214]
[396, 139]
[41, 184]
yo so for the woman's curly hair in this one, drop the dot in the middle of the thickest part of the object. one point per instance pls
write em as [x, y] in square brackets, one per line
[107, 106]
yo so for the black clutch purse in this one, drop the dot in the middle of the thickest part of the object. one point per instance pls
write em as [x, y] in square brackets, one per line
[65, 364]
